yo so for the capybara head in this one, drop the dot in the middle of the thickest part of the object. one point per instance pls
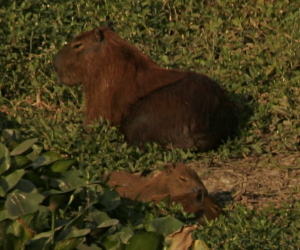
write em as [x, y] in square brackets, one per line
[108, 68]
[76, 61]
[176, 179]
[99, 57]
[200, 205]
[183, 179]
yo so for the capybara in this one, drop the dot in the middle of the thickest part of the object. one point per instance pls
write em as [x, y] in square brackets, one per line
[178, 181]
[175, 179]
[149, 103]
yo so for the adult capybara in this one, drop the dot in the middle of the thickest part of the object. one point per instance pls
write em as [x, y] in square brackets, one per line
[150, 103]
[177, 181]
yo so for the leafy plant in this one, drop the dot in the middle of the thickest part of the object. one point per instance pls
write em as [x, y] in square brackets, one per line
[51, 196]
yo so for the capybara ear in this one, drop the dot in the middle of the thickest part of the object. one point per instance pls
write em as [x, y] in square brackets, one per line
[111, 25]
[99, 34]
[169, 168]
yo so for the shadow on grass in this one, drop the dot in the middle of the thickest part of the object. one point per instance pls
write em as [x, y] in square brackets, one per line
[8, 122]
[245, 110]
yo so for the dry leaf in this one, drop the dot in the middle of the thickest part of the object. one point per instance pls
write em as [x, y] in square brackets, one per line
[181, 239]
[200, 245]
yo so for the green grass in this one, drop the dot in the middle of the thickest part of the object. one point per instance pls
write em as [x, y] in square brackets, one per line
[250, 47]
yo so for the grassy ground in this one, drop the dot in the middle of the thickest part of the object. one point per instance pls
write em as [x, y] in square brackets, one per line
[250, 47]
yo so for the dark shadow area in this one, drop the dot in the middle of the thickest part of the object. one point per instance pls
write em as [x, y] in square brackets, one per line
[7, 121]
[245, 109]
[223, 198]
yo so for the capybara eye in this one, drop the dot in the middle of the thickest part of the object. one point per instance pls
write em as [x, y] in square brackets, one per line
[182, 179]
[77, 46]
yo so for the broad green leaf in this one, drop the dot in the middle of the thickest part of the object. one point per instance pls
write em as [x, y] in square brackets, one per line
[55, 198]
[26, 186]
[20, 228]
[165, 225]
[145, 241]
[93, 246]
[118, 240]
[55, 169]
[45, 159]
[19, 204]
[5, 160]
[67, 237]
[40, 241]
[69, 244]
[78, 233]
[113, 243]
[23, 146]
[11, 241]
[29, 233]
[19, 161]
[101, 219]
[36, 151]
[10, 181]
[97, 217]
[36, 179]
[62, 166]
[4, 215]
[108, 223]
[12, 137]
[122, 236]
[71, 180]
[71, 232]
[110, 200]
[43, 235]
[4, 224]
[125, 234]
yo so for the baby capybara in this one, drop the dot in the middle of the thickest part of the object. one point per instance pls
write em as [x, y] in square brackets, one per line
[177, 181]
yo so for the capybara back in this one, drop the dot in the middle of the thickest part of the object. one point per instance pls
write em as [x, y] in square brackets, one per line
[192, 112]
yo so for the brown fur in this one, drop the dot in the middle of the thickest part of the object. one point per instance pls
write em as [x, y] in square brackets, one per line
[178, 181]
[200, 205]
[125, 87]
